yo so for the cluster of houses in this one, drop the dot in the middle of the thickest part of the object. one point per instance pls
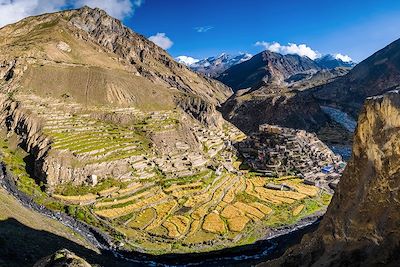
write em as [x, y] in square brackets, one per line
[185, 161]
[277, 151]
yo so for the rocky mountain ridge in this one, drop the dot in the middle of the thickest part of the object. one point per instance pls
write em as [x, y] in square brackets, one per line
[330, 62]
[266, 67]
[141, 54]
[375, 75]
[269, 67]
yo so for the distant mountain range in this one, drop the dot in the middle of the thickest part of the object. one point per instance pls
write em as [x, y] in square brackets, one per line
[276, 89]
[214, 66]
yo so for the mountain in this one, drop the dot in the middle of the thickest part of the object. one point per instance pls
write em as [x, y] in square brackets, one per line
[361, 225]
[115, 64]
[375, 75]
[299, 105]
[214, 66]
[266, 67]
[331, 62]
[63, 258]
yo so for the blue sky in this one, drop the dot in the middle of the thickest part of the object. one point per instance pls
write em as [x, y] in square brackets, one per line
[209, 27]
[356, 28]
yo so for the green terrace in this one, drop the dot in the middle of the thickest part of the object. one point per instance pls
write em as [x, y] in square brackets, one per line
[94, 140]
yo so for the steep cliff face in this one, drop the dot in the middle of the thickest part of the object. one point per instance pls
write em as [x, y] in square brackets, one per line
[362, 224]
[25, 125]
[249, 110]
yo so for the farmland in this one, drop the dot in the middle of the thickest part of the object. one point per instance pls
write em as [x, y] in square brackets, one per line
[184, 217]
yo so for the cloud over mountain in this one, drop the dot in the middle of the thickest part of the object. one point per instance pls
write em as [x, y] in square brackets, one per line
[187, 60]
[291, 48]
[14, 10]
[344, 58]
[162, 40]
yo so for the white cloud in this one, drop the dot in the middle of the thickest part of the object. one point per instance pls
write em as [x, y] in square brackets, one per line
[161, 40]
[14, 10]
[116, 8]
[344, 58]
[203, 28]
[291, 48]
[187, 60]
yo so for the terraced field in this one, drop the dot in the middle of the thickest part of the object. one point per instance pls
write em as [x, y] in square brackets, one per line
[197, 215]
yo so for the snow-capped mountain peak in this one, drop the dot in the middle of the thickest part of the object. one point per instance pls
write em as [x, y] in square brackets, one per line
[330, 61]
[213, 66]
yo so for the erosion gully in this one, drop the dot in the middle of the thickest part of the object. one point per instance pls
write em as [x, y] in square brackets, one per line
[272, 246]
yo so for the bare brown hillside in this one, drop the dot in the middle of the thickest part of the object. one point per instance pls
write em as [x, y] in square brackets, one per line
[89, 57]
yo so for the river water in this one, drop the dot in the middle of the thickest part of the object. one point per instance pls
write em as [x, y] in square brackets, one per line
[340, 117]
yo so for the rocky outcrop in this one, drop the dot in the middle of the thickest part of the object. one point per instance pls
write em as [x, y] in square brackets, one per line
[62, 258]
[25, 125]
[7, 70]
[361, 226]
[201, 111]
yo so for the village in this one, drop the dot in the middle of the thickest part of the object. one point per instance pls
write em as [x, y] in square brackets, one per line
[277, 151]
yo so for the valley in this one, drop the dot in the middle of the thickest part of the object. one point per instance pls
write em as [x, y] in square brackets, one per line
[115, 148]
